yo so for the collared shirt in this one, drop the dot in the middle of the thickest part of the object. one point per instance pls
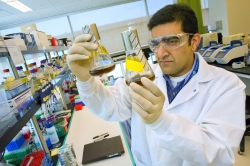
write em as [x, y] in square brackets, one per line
[173, 91]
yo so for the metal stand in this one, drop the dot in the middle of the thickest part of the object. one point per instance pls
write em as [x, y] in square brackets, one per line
[13, 67]
[39, 134]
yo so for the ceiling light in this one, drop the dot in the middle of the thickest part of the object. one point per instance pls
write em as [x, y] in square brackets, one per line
[18, 5]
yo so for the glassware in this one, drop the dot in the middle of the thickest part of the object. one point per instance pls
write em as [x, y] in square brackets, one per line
[34, 65]
[30, 66]
[102, 62]
[137, 65]
[20, 71]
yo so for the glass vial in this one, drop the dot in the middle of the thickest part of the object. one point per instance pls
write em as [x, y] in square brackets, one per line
[137, 65]
[102, 62]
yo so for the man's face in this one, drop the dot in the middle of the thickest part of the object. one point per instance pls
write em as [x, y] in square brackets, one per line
[175, 62]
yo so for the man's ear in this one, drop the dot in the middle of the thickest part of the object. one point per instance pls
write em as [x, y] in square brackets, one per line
[195, 41]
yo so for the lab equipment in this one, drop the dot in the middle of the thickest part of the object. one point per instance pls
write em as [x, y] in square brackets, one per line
[228, 39]
[67, 156]
[102, 62]
[203, 50]
[137, 65]
[51, 130]
[207, 37]
[227, 54]
[20, 71]
[211, 52]
[238, 65]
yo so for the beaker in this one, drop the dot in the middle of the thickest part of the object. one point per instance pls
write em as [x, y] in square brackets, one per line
[102, 62]
[137, 65]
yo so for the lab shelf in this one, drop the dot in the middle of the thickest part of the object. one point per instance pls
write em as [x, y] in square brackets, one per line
[40, 49]
[10, 127]
[58, 80]
[122, 52]
[43, 49]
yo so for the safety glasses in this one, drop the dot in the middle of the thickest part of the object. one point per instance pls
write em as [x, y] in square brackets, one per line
[169, 42]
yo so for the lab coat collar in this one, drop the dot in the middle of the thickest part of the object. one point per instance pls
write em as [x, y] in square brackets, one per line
[190, 89]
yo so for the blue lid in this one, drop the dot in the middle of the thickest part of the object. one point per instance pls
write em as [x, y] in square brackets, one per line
[48, 124]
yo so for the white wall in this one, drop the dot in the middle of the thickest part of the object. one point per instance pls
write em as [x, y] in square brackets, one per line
[217, 12]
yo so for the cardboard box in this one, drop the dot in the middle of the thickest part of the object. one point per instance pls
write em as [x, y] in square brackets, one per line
[29, 40]
[49, 36]
[28, 28]
[40, 38]
[16, 42]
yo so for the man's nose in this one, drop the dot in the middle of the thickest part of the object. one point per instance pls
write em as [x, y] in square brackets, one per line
[162, 52]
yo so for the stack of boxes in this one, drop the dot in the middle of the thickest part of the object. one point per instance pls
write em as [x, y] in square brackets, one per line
[16, 150]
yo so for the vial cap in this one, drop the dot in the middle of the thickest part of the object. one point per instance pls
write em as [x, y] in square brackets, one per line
[6, 70]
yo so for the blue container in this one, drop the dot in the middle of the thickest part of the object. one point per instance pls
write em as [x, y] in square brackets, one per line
[16, 142]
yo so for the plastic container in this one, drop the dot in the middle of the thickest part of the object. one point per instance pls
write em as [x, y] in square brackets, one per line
[34, 65]
[36, 159]
[47, 140]
[78, 107]
[20, 71]
[5, 111]
[33, 73]
[61, 127]
[44, 62]
[54, 41]
[16, 142]
[18, 153]
[30, 66]
[26, 132]
[7, 73]
[51, 130]
[15, 161]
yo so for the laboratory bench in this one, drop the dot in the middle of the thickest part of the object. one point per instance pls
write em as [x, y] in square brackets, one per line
[84, 126]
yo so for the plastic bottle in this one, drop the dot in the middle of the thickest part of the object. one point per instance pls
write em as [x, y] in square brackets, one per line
[51, 131]
[34, 65]
[44, 62]
[20, 71]
[33, 73]
[30, 66]
[36, 141]
[6, 75]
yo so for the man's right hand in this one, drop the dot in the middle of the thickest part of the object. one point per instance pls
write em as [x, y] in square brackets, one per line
[79, 57]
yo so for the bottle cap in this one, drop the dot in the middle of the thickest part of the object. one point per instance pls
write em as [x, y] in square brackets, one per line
[19, 68]
[43, 61]
[33, 71]
[48, 124]
[50, 64]
[6, 70]
[34, 63]
[42, 66]
[30, 65]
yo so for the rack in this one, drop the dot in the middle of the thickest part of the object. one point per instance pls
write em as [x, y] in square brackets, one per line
[19, 119]
[13, 125]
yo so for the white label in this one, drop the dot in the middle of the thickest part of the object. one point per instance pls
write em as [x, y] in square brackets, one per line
[57, 95]
[16, 54]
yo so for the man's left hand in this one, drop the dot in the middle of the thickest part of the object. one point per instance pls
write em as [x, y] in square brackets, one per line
[148, 100]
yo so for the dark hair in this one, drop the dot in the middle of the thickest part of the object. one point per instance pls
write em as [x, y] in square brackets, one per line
[176, 12]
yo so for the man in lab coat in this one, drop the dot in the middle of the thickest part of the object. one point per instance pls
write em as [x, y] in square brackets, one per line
[191, 114]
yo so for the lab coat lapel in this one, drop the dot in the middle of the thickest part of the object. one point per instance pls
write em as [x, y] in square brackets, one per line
[161, 83]
[190, 89]
[204, 74]
[186, 93]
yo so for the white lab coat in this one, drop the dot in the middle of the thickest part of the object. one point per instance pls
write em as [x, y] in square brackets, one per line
[202, 126]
